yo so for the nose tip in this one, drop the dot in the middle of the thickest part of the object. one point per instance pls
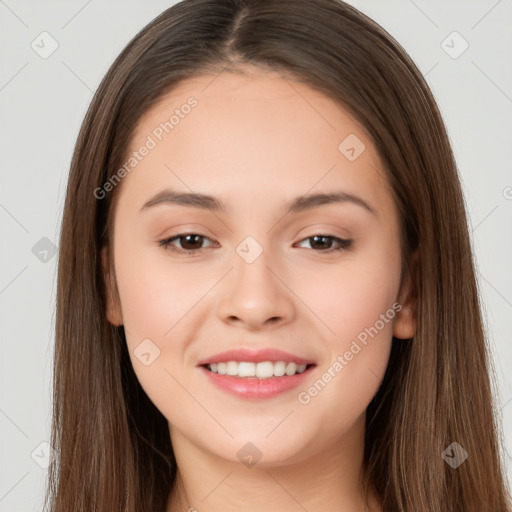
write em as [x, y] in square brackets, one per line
[253, 322]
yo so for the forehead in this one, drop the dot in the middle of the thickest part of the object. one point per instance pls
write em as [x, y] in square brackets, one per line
[255, 131]
[282, 99]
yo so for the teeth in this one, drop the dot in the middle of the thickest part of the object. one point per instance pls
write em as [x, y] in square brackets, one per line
[279, 368]
[263, 370]
[245, 369]
[231, 368]
[301, 368]
[291, 368]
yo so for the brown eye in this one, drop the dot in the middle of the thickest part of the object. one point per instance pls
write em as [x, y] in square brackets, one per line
[189, 242]
[192, 242]
[324, 243]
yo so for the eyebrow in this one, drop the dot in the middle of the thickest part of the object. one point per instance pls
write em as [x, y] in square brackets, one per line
[299, 204]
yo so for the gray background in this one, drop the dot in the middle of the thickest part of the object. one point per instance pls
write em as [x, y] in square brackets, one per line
[43, 101]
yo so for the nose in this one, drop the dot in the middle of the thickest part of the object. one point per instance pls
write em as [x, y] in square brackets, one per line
[255, 295]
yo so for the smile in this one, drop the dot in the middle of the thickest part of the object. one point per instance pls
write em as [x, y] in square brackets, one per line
[262, 370]
[256, 374]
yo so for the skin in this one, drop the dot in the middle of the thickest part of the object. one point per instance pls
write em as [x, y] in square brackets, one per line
[256, 141]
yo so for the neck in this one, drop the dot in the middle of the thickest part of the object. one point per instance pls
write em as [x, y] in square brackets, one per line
[329, 480]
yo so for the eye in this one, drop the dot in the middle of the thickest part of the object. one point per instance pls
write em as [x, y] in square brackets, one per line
[190, 242]
[320, 241]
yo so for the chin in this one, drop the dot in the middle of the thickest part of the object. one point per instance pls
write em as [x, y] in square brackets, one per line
[255, 450]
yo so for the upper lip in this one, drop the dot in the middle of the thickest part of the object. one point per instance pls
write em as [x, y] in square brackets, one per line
[254, 356]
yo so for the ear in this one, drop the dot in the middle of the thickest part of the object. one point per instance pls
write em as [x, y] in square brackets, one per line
[114, 314]
[405, 324]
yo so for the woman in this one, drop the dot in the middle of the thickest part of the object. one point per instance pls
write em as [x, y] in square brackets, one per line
[266, 293]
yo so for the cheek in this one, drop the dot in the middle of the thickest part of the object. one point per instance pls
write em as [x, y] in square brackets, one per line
[357, 302]
[155, 295]
[352, 295]
[156, 302]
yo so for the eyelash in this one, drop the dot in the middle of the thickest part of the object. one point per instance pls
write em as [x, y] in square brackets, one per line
[166, 243]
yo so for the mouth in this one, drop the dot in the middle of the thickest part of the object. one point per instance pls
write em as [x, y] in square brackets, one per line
[261, 370]
[256, 375]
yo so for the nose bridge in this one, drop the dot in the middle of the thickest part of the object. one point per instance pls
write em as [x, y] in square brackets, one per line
[255, 294]
[252, 270]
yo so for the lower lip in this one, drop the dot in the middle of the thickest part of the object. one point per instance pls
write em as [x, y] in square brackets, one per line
[252, 387]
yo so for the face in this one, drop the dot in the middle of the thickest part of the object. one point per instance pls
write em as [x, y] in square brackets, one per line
[257, 314]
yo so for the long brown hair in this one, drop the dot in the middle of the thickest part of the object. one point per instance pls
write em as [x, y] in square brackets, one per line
[114, 449]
